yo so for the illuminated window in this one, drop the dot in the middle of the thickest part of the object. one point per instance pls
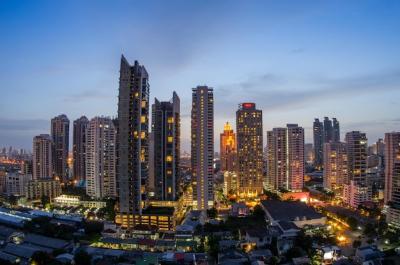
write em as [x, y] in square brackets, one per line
[143, 119]
[144, 103]
[170, 139]
[169, 189]
[169, 158]
[170, 119]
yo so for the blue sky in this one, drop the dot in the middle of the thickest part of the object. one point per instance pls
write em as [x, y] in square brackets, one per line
[296, 59]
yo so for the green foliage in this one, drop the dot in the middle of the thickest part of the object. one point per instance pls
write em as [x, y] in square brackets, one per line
[45, 200]
[352, 222]
[213, 246]
[356, 243]
[41, 258]
[258, 212]
[42, 225]
[212, 213]
[82, 258]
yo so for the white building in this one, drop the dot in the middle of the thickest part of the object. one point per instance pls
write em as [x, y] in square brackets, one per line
[202, 146]
[100, 158]
[354, 194]
[42, 157]
[16, 183]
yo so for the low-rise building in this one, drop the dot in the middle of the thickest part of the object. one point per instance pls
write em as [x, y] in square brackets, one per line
[36, 189]
[15, 183]
[292, 211]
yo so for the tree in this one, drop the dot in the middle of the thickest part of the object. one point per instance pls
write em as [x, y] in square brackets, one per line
[356, 243]
[212, 213]
[40, 258]
[45, 200]
[13, 200]
[352, 222]
[258, 212]
[82, 258]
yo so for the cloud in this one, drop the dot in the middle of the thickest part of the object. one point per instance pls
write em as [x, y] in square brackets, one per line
[272, 91]
[20, 132]
[86, 95]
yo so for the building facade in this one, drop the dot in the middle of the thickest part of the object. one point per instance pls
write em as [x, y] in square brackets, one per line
[202, 146]
[286, 158]
[79, 148]
[132, 141]
[228, 153]
[36, 189]
[318, 133]
[249, 149]
[16, 183]
[166, 137]
[392, 179]
[60, 137]
[335, 166]
[101, 158]
[42, 157]
[357, 152]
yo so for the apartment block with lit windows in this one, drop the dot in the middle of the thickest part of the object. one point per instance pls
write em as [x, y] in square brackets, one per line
[228, 158]
[202, 147]
[249, 149]
[100, 158]
[285, 158]
[335, 166]
[132, 141]
[166, 152]
[392, 179]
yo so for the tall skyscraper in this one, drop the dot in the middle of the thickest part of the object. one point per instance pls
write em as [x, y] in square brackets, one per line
[202, 146]
[392, 149]
[60, 136]
[249, 130]
[100, 158]
[228, 154]
[285, 158]
[318, 131]
[392, 179]
[42, 157]
[336, 130]
[356, 190]
[328, 130]
[357, 152]
[335, 166]
[132, 141]
[79, 148]
[166, 133]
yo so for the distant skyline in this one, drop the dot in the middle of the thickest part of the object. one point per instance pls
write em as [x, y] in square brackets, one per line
[297, 60]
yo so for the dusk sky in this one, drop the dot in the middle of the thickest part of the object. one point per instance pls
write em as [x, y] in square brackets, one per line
[297, 60]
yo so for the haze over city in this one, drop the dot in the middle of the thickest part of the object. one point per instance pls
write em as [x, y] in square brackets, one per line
[295, 60]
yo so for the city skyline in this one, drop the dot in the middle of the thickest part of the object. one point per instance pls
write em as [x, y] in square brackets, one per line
[295, 74]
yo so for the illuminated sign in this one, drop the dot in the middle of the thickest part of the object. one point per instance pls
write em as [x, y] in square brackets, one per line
[248, 105]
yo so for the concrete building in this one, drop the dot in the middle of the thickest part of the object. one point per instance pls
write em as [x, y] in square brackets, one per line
[355, 193]
[335, 166]
[132, 141]
[42, 157]
[100, 158]
[336, 130]
[79, 148]
[60, 137]
[228, 153]
[16, 183]
[318, 132]
[249, 130]
[296, 212]
[356, 190]
[286, 158]
[166, 134]
[36, 189]
[392, 179]
[328, 130]
[202, 147]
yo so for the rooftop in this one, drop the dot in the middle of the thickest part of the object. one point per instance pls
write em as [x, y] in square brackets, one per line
[156, 210]
[289, 210]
